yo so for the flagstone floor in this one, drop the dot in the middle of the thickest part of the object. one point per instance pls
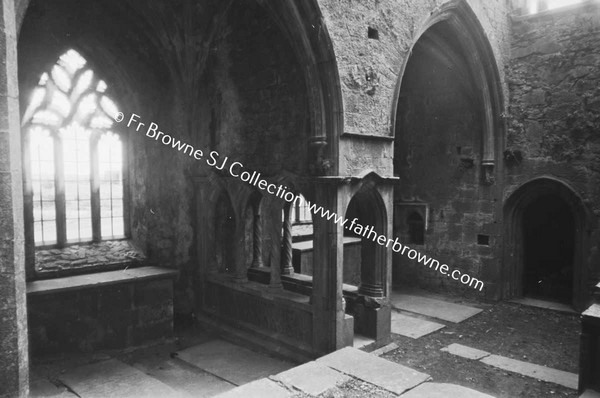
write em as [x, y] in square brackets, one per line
[442, 347]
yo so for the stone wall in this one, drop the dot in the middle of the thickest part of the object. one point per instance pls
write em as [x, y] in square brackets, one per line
[554, 79]
[257, 92]
[440, 122]
[370, 66]
[14, 360]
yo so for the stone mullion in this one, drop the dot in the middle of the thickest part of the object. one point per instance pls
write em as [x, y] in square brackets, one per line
[59, 178]
[95, 188]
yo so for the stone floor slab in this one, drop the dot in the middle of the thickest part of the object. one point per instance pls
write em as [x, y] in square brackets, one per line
[183, 377]
[439, 309]
[312, 378]
[233, 363]
[443, 390]
[549, 305]
[372, 369]
[465, 352]
[113, 378]
[566, 379]
[263, 388]
[413, 327]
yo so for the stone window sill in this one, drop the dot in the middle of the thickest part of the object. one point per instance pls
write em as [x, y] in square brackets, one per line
[99, 279]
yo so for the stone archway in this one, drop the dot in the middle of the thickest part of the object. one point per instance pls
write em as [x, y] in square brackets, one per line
[545, 241]
[448, 133]
[368, 209]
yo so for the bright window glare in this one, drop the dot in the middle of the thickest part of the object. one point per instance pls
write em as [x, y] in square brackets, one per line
[535, 6]
[69, 108]
[561, 3]
[72, 61]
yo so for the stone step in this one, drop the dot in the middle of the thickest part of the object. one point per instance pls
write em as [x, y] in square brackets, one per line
[381, 372]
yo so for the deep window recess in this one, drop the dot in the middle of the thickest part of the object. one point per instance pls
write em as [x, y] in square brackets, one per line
[416, 228]
[75, 165]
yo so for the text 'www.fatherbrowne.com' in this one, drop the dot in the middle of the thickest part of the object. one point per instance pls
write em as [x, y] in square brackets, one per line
[237, 170]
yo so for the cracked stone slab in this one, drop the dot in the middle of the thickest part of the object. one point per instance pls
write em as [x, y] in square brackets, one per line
[313, 378]
[566, 379]
[443, 390]
[375, 370]
[413, 327]
[262, 388]
[465, 352]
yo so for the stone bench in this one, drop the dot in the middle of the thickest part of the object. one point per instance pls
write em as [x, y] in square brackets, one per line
[103, 310]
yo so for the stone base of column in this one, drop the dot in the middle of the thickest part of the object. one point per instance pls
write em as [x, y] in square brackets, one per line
[287, 271]
[372, 290]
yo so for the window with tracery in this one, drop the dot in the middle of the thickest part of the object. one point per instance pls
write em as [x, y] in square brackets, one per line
[75, 163]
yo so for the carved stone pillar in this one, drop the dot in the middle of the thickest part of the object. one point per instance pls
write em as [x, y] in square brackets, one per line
[257, 261]
[286, 249]
[273, 229]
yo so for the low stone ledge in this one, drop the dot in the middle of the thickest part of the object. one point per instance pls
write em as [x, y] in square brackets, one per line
[99, 279]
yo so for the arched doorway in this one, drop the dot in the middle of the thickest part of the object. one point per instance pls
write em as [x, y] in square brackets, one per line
[548, 243]
[545, 243]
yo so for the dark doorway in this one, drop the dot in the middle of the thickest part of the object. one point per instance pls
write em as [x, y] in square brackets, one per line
[549, 249]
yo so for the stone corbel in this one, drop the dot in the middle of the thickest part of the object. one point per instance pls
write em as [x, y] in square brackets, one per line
[319, 164]
[487, 172]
